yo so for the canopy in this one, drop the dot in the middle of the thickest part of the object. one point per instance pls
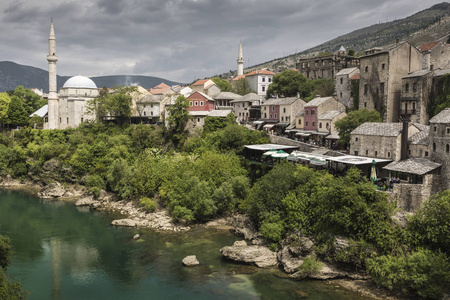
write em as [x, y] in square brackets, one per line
[268, 126]
[270, 152]
[280, 154]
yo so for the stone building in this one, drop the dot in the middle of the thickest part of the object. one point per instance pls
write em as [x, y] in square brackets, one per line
[343, 85]
[381, 140]
[440, 144]
[206, 86]
[326, 66]
[223, 100]
[381, 73]
[245, 105]
[327, 120]
[317, 107]
[282, 109]
[259, 81]
[436, 55]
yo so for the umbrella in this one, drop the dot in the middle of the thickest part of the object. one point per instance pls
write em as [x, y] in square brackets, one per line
[373, 173]
[270, 152]
[280, 154]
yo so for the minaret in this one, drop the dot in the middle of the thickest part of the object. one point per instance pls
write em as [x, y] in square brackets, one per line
[53, 109]
[240, 61]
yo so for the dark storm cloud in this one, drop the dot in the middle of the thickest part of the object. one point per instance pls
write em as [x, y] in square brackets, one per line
[180, 39]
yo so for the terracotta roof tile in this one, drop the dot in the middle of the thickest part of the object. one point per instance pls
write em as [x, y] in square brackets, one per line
[260, 72]
[427, 46]
[200, 82]
[356, 77]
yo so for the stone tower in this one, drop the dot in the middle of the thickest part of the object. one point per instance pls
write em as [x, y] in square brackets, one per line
[53, 111]
[240, 61]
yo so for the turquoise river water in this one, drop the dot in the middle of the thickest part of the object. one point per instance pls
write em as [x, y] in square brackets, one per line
[64, 252]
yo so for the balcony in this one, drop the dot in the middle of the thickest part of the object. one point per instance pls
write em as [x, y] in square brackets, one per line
[407, 112]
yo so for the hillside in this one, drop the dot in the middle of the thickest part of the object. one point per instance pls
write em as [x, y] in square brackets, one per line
[425, 26]
[12, 75]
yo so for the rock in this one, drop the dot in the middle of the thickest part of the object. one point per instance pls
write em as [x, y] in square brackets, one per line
[340, 243]
[401, 218]
[102, 195]
[190, 261]
[86, 201]
[327, 272]
[289, 262]
[243, 225]
[96, 204]
[136, 236]
[126, 222]
[222, 223]
[53, 190]
[260, 256]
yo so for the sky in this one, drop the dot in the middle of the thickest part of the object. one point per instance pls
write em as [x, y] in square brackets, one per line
[179, 40]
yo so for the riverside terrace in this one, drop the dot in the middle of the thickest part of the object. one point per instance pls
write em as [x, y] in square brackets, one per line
[337, 165]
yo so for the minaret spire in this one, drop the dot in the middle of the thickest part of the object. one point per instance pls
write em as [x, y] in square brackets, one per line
[53, 111]
[240, 61]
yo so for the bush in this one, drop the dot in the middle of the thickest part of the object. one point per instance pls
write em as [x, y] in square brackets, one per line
[310, 266]
[149, 204]
[95, 184]
[422, 273]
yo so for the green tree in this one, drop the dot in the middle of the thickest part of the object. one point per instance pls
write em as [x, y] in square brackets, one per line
[288, 83]
[177, 119]
[223, 84]
[30, 100]
[116, 103]
[355, 118]
[442, 98]
[241, 87]
[8, 289]
[17, 115]
[323, 87]
[214, 123]
[351, 52]
[4, 105]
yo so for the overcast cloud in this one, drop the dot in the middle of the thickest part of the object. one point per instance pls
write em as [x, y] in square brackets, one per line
[179, 40]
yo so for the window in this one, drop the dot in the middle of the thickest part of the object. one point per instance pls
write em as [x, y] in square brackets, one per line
[67, 120]
[340, 94]
[144, 113]
[407, 87]
[271, 116]
[434, 146]
[265, 107]
[366, 89]
[389, 154]
[284, 109]
[434, 128]
[365, 104]
[307, 123]
[59, 120]
[274, 116]
[201, 103]
[367, 152]
[82, 120]
[320, 125]
[366, 69]
[198, 119]
[356, 153]
[426, 153]
[448, 130]
[313, 112]
[376, 153]
[270, 79]
[328, 125]
[314, 124]
[196, 103]
[356, 139]
[265, 115]
[282, 118]
[273, 108]
[342, 80]
[299, 121]
[263, 88]
[415, 87]
[382, 88]
[263, 79]
[151, 113]
[383, 66]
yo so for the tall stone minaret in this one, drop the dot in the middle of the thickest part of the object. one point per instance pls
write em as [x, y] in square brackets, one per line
[240, 61]
[53, 108]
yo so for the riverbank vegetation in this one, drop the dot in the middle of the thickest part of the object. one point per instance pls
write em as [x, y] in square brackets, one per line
[9, 289]
[202, 176]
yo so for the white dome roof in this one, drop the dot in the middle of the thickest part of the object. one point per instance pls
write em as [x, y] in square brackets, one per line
[80, 82]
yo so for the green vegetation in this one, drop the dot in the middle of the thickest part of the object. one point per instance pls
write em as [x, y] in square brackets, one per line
[289, 83]
[442, 97]
[241, 87]
[223, 84]
[115, 103]
[355, 118]
[149, 204]
[9, 289]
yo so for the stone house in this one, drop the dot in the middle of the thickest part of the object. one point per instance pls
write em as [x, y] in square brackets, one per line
[415, 96]
[247, 108]
[223, 100]
[282, 109]
[381, 73]
[326, 66]
[259, 81]
[436, 55]
[439, 140]
[381, 140]
[343, 86]
[317, 107]
[300, 120]
[206, 86]
[149, 106]
[418, 144]
[327, 120]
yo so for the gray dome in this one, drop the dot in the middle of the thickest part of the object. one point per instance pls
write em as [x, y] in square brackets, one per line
[80, 82]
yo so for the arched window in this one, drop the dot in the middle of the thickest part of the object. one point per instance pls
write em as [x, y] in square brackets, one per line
[320, 125]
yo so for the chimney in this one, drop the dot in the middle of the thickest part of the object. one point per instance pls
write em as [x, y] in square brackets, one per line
[397, 41]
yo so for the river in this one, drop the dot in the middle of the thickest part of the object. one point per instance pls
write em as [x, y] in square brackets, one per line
[65, 252]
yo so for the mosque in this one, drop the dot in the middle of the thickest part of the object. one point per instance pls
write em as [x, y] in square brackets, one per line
[69, 107]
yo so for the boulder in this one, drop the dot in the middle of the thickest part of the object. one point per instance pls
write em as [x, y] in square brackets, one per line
[53, 190]
[327, 272]
[259, 256]
[289, 261]
[243, 225]
[190, 261]
[340, 243]
[126, 223]
[86, 201]
[136, 236]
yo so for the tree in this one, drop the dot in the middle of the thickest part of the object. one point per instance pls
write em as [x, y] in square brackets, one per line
[241, 87]
[17, 115]
[30, 100]
[178, 118]
[4, 105]
[351, 52]
[323, 87]
[8, 289]
[223, 84]
[355, 118]
[115, 104]
[288, 83]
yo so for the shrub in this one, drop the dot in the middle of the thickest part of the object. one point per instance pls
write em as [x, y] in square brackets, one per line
[310, 266]
[149, 204]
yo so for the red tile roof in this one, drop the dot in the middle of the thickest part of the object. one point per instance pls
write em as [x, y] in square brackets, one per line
[200, 82]
[260, 72]
[427, 46]
[159, 89]
[357, 76]
[238, 77]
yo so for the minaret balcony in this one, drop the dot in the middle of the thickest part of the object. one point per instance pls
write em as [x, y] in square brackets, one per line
[52, 58]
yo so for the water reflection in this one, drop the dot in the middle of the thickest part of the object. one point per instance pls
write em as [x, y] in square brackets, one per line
[63, 252]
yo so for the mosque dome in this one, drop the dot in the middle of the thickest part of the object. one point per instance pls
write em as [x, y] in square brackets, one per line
[80, 82]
